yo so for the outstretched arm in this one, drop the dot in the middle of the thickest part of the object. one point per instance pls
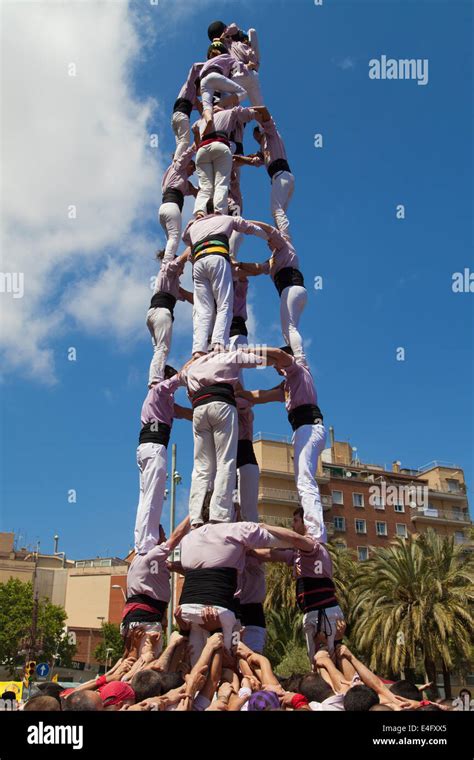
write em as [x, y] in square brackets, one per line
[262, 396]
[183, 412]
[178, 534]
[289, 538]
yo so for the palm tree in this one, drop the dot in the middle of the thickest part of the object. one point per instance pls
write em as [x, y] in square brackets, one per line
[412, 605]
[281, 590]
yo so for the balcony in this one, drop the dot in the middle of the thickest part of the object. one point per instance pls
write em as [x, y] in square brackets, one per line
[284, 496]
[441, 515]
[285, 522]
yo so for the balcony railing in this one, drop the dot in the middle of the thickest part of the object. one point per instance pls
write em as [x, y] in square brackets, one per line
[442, 514]
[286, 522]
[281, 494]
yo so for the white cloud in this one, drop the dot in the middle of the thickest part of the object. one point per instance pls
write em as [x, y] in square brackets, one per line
[73, 140]
[346, 63]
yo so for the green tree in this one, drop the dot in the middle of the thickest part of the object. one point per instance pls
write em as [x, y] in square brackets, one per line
[16, 616]
[112, 640]
[412, 606]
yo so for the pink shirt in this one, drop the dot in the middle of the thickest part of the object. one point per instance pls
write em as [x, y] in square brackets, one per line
[149, 575]
[272, 144]
[222, 545]
[240, 298]
[245, 418]
[243, 51]
[218, 224]
[226, 63]
[313, 564]
[168, 278]
[159, 402]
[218, 367]
[252, 586]
[176, 177]
[188, 90]
[284, 255]
[226, 121]
[298, 388]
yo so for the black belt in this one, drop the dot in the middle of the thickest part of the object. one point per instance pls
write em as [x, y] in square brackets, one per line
[279, 165]
[252, 614]
[210, 586]
[164, 301]
[155, 432]
[173, 195]
[238, 327]
[218, 392]
[245, 453]
[286, 277]
[183, 105]
[212, 245]
[315, 594]
[305, 414]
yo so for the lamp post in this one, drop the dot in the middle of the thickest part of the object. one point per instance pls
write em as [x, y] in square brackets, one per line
[175, 480]
[121, 589]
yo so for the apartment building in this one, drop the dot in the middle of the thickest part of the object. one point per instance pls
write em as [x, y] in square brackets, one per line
[365, 505]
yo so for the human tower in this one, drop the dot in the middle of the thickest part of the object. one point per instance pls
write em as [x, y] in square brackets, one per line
[222, 544]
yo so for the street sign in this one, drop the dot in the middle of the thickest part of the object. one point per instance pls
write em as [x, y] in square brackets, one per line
[42, 669]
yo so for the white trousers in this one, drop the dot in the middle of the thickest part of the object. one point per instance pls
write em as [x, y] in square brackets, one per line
[213, 167]
[247, 486]
[152, 461]
[160, 325]
[215, 82]
[292, 302]
[148, 628]
[251, 83]
[215, 431]
[191, 613]
[170, 219]
[182, 132]
[328, 626]
[254, 637]
[308, 443]
[283, 184]
[213, 302]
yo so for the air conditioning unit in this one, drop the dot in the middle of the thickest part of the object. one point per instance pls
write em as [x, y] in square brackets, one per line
[348, 474]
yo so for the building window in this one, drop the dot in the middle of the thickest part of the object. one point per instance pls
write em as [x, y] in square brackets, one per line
[360, 526]
[363, 553]
[358, 499]
[339, 523]
[399, 507]
[459, 537]
[401, 530]
[378, 503]
[453, 485]
[340, 545]
[337, 497]
[381, 528]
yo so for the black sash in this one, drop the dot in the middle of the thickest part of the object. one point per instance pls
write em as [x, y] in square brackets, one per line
[144, 616]
[252, 614]
[210, 586]
[173, 195]
[239, 148]
[218, 392]
[238, 327]
[245, 453]
[315, 594]
[286, 277]
[279, 165]
[218, 135]
[155, 432]
[164, 301]
[183, 105]
[305, 414]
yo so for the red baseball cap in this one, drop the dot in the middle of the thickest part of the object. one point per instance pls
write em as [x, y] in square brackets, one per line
[115, 692]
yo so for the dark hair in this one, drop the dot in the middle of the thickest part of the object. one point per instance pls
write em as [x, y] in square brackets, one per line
[159, 255]
[216, 47]
[360, 698]
[299, 512]
[146, 683]
[170, 681]
[170, 372]
[405, 689]
[315, 688]
[82, 701]
[293, 682]
[287, 350]
[43, 704]
[50, 689]
[216, 29]
[429, 708]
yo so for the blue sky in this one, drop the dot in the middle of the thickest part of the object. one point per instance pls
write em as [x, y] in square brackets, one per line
[386, 282]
